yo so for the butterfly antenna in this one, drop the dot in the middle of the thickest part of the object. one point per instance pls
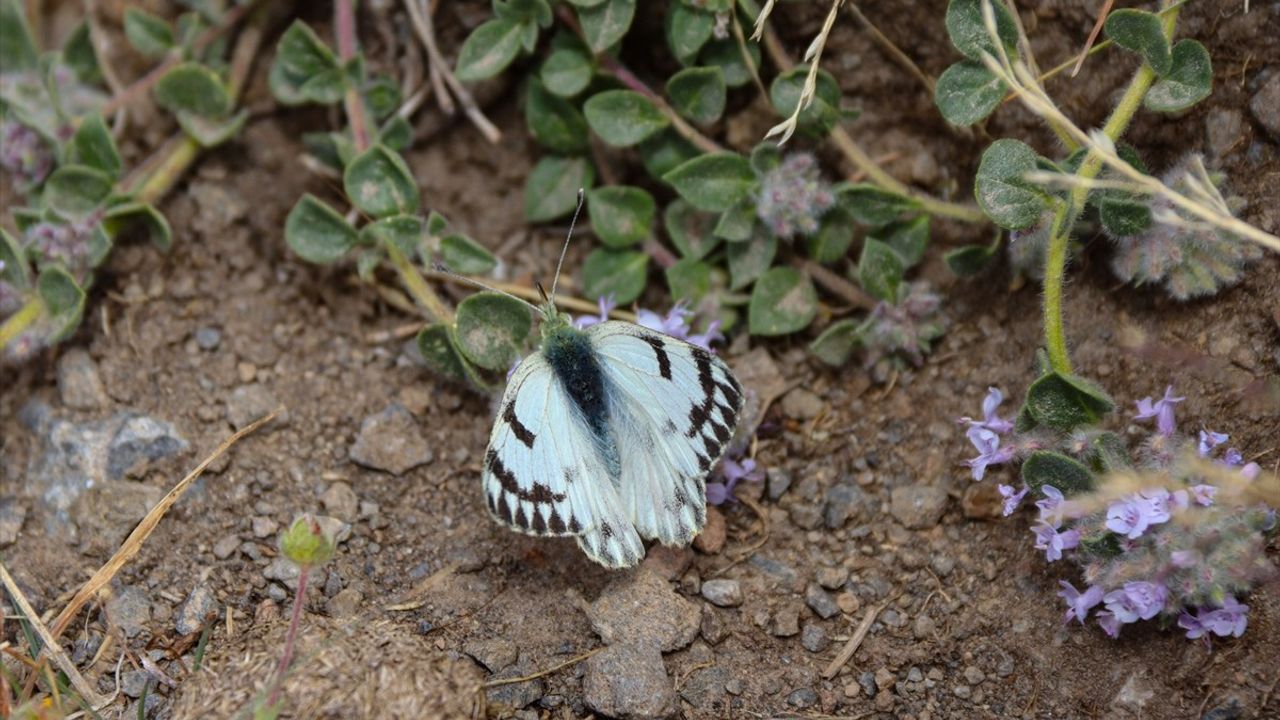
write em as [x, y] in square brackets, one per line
[440, 268]
[582, 194]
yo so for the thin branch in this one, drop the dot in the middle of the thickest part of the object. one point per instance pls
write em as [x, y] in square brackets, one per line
[837, 285]
[438, 70]
[344, 20]
[813, 56]
[1093, 35]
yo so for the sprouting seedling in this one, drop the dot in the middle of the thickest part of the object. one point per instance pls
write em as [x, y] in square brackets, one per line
[307, 545]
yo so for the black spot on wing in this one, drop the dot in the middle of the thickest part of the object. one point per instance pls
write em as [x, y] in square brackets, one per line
[660, 352]
[520, 520]
[522, 433]
[556, 524]
[540, 493]
[539, 524]
[575, 527]
[504, 510]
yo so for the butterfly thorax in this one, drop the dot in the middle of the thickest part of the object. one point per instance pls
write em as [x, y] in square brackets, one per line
[576, 364]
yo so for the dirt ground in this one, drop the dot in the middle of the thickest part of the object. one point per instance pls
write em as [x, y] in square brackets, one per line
[969, 624]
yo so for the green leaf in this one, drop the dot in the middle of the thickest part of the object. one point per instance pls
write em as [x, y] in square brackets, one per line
[1189, 80]
[491, 329]
[92, 145]
[79, 54]
[765, 157]
[63, 299]
[737, 223]
[567, 72]
[1124, 216]
[193, 88]
[726, 55]
[621, 215]
[623, 117]
[689, 279]
[908, 239]
[305, 69]
[970, 260]
[119, 217]
[148, 34]
[1058, 471]
[551, 190]
[664, 152]
[554, 122]
[1066, 402]
[1001, 189]
[783, 301]
[17, 49]
[210, 132]
[871, 205]
[713, 182]
[968, 31]
[404, 231]
[748, 260]
[1143, 33]
[13, 261]
[316, 232]
[822, 114]
[463, 255]
[441, 355]
[880, 270]
[531, 12]
[382, 96]
[436, 224]
[967, 92]
[836, 344]
[488, 50]
[698, 93]
[620, 273]
[689, 229]
[604, 24]
[396, 134]
[833, 238]
[379, 183]
[687, 30]
[75, 190]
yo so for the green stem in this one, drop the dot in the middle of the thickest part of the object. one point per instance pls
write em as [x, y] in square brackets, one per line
[864, 162]
[1066, 215]
[417, 286]
[18, 322]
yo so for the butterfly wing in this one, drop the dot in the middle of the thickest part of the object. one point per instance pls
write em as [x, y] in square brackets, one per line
[542, 475]
[674, 408]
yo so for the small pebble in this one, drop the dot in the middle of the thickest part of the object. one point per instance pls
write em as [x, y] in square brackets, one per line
[264, 527]
[814, 638]
[208, 338]
[973, 675]
[833, 578]
[803, 698]
[785, 622]
[722, 592]
[820, 601]
[225, 547]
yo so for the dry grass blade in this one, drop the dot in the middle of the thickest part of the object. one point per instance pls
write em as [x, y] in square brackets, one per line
[145, 527]
[813, 56]
[542, 673]
[1093, 36]
[51, 646]
[851, 647]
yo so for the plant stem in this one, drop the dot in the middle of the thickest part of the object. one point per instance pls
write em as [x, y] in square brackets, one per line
[18, 322]
[417, 286]
[291, 636]
[1067, 213]
[344, 19]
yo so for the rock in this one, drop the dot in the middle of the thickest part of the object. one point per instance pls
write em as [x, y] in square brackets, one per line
[706, 687]
[820, 602]
[199, 608]
[341, 502]
[12, 515]
[833, 578]
[924, 628]
[129, 609]
[266, 611]
[722, 592]
[1224, 131]
[1265, 105]
[844, 501]
[208, 338]
[777, 481]
[264, 527]
[884, 679]
[1137, 691]
[139, 441]
[134, 682]
[250, 402]
[786, 621]
[814, 638]
[643, 608]
[973, 675]
[79, 384]
[713, 629]
[848, 603]
[505, 699]
[336, 529]
[806, 516]
[867, 681]
[918, 506]
[712, 538]
[802, 404]
[286, 573]
[224, 548]
[391, 441]
[629, 682]
[105, 514]
[802, 699]
[493, 653]
[666, 562]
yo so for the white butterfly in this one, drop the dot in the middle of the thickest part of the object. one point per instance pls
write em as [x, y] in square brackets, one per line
[608, 434]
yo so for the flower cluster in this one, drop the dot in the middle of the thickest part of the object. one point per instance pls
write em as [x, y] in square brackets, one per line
[793, 197]
[24, 154]
[905, 328]
[730, 472]
[677, 323]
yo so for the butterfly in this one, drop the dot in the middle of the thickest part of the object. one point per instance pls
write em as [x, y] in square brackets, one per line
[607, 434]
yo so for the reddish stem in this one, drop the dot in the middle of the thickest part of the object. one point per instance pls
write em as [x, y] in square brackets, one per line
[344, 16]
[292, 636]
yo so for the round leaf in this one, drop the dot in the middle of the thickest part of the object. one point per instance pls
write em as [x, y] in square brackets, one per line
[554, 122]
[488, 50]
[727, 55]
[405, 231]
[836, 343]
[1190, 79]
[1143, 33]
[665, 151]
[833, 238]
[908, 239]
[620, 273]
[567, 72]
[441, 355]
[379, 183]
[968, 92]
[316, 232]
[822, 114]
[17, 49]
[93, 145]
[713, 182]
[551, 190]
[63, 299]
[623, 117]
[871, 205]
[969, 259]
[737, 223]
[749, 260]
[463, 255]
[147, 33]
[1000, 188]
[698, 93]
[783, 301]
[193, 88]
[968, 31]
[690, 229]
[119, 217]
[687, 30]
[621, 215]
[880, 270]
[1066, 402]
[605, 23]
[75, 190]
[689, 279]
[491, 329]
[1057, 470]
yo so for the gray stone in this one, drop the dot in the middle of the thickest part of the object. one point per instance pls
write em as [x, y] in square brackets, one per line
[12, 515]
[833, 578]
[208, 338]
[1224, 131]
[844, 501]
[200, 607]
[1265, 105]
[250, 402]
[784, 574]
[341, 502]
[706, 687]
[918, 507]
[391, 441]
[786, 621]
[139, 441]
[493, 653]
[974, 675]
[713, 629]
[868, 682]
[643, 608]
[722, 592]
[226, 546]
[508, 698]
[924, 628]
[264, 527]
[820, 601]
[629, 682]
[79, 384]
[286, 573]
[806, 516]
[802, 699]
[346, 603]
[777, 481]
[134, 682]
[129, 609]
[814, 638]
[333, 527]
[104, 515]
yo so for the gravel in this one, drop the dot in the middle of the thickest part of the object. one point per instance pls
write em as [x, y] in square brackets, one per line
[391, 441]
[721, 592]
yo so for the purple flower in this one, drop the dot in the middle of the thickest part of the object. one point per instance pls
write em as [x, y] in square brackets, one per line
[1110, 623]
[1133, 515]
[1053, 542]
[1251, 471]
[1210, 440]
[990, 452]
[1228, 621]
[676, 323]
[1078, 603]
[1052, 506]
[1204, 494]
[606, 306]
[1193, 626]
[1012, 498]
[1233, 457]
[1138, 600]
[990, 420]
[1157, 500]
[732, 471]
[1161, 410]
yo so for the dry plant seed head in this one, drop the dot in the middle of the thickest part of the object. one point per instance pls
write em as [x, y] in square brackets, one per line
[813, 56]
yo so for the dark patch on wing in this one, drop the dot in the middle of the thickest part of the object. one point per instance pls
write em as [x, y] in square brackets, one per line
[659, 351]
[575, 527]
[556, 525]
[504, 510]
[539, 524]
[576, 365]
[539, 493]
[521, 520]
[523, 434]
[606, 530]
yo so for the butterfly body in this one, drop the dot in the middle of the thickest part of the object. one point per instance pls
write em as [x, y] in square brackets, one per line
[608, 434]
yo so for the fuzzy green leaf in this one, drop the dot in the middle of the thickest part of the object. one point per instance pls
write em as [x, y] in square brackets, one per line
[1143, 33]
[531, 12]
[1058, 471]
[211, 132]
[1124, 216]
[689, 279]
[92, 145]
[440, 353]
[871, 205]
[13, 261]
[606, 23]
[908, 239]
[713, 182]
[880, 270]
[379, 183]
[687, 30]
[554, 122]
[1066, 402]
[404, 231]
[551, 191]
[736, 223]
[119, 217]
[193, 88]
[75, 190]
[833, 238]
[970, 259]
[690, 229]
[765, 157]
[664, 152]
[967, 92]
[1189, 80]
[822, 114]
[63, 299]
[623, 117]
[567, 72]
[836, 344]
[17, 49]
[727, 55]
[621, 215]
[620, 273]
[305, 69]
[317, 232]
[1001, 189]
[968, 31]
[150, 35]
[382, 96]
[491, 329]
[488, 50]
[461, 254]
[783, 301]
[80, 55]
[698, 93]
[749, 260]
